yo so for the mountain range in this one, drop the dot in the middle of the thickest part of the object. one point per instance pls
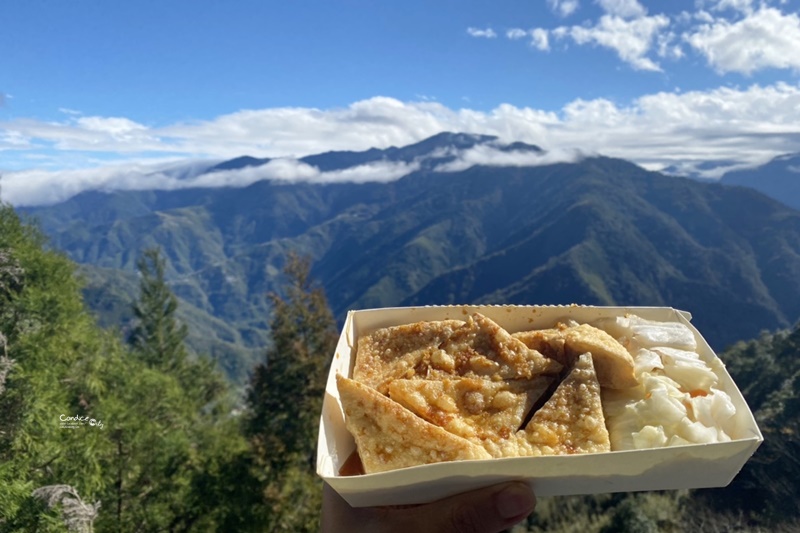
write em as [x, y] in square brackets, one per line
[594, 230]
[778, 178]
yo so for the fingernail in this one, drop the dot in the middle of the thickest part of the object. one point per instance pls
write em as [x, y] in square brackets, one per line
[516, 500]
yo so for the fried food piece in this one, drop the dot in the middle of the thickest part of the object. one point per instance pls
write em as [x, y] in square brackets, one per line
[388, 436]
[483, 349]
[572, 420]
[482, 411]
[476, 348]
[549, 342]
[397, 352]
[613, 363]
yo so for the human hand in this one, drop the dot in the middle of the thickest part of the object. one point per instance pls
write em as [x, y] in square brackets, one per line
[487, 510]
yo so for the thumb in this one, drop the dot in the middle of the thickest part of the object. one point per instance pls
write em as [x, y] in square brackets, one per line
[487, 510]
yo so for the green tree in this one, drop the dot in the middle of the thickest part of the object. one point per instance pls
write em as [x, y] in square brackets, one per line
[50, 353]
[157, 338]
[174, 440]
[168, 453]
[285, 398]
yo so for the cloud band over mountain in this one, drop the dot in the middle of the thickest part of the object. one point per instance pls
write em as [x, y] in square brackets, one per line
[741, 126]
[37, 187]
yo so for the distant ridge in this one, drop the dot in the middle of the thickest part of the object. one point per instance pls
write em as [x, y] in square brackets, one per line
[779, 178]
[337, 160]
[237, 163]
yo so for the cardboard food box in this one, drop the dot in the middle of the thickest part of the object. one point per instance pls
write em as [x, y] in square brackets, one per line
[677, 467]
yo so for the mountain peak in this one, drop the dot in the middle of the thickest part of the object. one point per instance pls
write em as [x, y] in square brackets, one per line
[238, 162]
[465, 141]
[454, 140]
[432, 146]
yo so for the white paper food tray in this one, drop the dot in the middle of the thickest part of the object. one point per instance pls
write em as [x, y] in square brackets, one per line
[679, 467]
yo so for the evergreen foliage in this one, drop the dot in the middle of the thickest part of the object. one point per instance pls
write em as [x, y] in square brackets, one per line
[285, 399]
[49, 336]
[768, 369]
[610, 513]
[159, 436]
[157, 338]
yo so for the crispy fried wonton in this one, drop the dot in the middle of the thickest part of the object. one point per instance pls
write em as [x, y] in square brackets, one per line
[389, 436]
[572, 420]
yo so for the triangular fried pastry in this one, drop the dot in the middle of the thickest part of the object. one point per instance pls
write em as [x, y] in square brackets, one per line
[399, 352]
[548, 342]
[572, 420]
[388, 436]
[479, 410]
[481, 348]
[612, 361]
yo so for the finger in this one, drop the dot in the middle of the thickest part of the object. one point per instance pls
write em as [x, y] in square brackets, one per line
[486, 510]
[337, 515]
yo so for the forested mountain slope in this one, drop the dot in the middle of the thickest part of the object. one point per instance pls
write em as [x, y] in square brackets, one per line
[596, 231]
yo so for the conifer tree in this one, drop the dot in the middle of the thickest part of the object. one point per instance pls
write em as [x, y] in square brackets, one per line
[157, 338]
[285, 398]
[170, 458]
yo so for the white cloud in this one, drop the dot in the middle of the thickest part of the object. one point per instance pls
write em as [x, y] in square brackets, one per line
[701, 16]
[33, 187]
[37, 187]
[667, 47]
[539, 39]
[493, 156]
[741, 126]
[114, 127]
[564, 8]
[734, 36]
[623, 8]
[88, 133]
[743, 6]
[378, 171]
[488, 33]
[293, 170]
[13, 140]
[766, 38]
[560, 32]
[630, 39]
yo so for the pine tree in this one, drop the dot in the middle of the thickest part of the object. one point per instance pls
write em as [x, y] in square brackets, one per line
[285, 398]
[158, 338]
[172, 454]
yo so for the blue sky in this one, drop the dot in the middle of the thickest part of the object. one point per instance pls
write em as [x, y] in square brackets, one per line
[89, 88]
